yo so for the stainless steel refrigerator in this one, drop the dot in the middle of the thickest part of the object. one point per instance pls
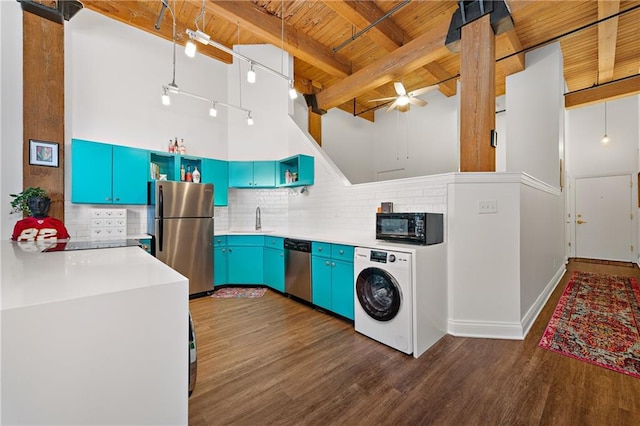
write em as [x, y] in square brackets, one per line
[180, 220]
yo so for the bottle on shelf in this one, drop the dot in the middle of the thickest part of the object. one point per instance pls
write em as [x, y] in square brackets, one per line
[182, 177]
[176, 149]
[182, 148]
[196, 175]
[188, 177]
[171, 146]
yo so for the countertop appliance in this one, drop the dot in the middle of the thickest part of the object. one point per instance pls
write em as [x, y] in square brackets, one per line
[181, 225]
[415, 228]
[297, 280]
[383, 297]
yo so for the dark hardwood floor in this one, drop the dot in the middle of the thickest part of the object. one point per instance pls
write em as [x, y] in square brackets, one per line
[276, 361]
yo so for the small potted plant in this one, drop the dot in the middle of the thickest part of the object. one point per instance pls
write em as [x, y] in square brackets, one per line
[20, 202]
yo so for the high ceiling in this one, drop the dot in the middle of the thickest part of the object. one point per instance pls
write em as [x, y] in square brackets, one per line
[406, 46]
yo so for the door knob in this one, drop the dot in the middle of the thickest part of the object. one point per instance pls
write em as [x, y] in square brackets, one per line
[580, 222]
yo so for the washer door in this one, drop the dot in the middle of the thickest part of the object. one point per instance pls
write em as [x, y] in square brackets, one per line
[378, 293]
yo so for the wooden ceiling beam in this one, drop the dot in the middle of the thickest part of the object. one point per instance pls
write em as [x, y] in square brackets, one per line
[269, 27]
[515, 63]
[387, 35]
[607, 37]
[429, 47]
[606, 92]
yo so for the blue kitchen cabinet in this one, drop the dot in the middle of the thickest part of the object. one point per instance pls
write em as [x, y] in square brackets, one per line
[342, 288]
[220, 259]
[274, 263]
[321, 281]
[245, 259]
[252, 174]
[108, 174]
[332, 277]
[217, 173]
[301, 167]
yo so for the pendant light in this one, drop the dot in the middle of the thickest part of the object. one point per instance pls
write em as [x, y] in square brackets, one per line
[605, 138]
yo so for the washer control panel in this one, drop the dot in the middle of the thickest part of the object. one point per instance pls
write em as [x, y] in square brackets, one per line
[386, 257]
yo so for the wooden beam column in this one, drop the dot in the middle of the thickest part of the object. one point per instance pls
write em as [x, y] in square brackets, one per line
[477, 97]
[315, 126]
[43, 104]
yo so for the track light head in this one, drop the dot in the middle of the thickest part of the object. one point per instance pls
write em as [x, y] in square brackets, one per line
[190, 49]
[249, 119]
[292, 91]
[251, 75]
[166, 100]
[213, 112]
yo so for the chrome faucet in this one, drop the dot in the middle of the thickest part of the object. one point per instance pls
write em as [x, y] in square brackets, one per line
[258, 222]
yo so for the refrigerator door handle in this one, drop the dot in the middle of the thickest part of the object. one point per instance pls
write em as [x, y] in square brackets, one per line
[160, 216]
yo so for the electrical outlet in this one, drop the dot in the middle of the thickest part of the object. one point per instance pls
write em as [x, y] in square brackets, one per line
[487, 206]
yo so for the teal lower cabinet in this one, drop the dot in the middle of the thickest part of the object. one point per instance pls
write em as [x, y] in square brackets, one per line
[245, 259]
[220, 270]
[332, 278]
[342, 288]
[321, 282]
[274, 263]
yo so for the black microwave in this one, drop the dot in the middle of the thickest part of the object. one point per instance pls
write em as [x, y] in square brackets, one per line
[415, 228]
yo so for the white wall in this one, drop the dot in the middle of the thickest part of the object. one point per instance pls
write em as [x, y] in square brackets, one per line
[533, 127]
[10, 112]
[268, 99]
[349, 142]
[423, 141]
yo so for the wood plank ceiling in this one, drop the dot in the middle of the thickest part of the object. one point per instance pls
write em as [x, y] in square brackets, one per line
[407, 46]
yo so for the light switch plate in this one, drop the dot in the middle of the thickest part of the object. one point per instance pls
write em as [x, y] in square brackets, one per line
[487, 206]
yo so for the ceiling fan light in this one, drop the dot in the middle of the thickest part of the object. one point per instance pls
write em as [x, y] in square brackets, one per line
[402, 100]
[190, 49]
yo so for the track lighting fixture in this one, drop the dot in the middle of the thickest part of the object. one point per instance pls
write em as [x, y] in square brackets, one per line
[190, 49]
[292, 91]
[251, 74]
[166, 100]
[173, 87]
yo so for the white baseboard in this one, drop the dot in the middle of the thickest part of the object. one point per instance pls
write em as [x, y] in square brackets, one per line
[535, 309]
[485, 329]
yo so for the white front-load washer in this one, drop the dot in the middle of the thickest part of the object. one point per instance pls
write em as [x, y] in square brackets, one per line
[383, 297]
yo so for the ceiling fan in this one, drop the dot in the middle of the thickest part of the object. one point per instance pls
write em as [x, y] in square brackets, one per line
[404, 100]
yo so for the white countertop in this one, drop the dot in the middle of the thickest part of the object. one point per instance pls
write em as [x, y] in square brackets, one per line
[356, 240]
[30, 277]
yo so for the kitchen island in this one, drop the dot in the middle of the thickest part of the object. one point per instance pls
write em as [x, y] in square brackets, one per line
[92, 337]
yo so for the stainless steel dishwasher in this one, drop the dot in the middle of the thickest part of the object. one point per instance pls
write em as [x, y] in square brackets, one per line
[297, 281]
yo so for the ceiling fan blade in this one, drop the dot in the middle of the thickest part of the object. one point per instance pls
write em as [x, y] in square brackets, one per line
[417, 101]
[383, 99]
[400, 90]
[423, 90]
[393, 105]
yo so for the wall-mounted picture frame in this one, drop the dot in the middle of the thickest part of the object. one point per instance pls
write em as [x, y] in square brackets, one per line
[43, 153]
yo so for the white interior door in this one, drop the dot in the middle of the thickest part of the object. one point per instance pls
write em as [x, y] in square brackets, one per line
[603, 218]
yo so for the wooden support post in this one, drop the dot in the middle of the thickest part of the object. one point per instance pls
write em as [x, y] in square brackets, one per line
[315, 126]
[477, 97]
[43, 104]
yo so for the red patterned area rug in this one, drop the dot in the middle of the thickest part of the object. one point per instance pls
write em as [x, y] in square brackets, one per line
[239, 292]
[597, 320]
